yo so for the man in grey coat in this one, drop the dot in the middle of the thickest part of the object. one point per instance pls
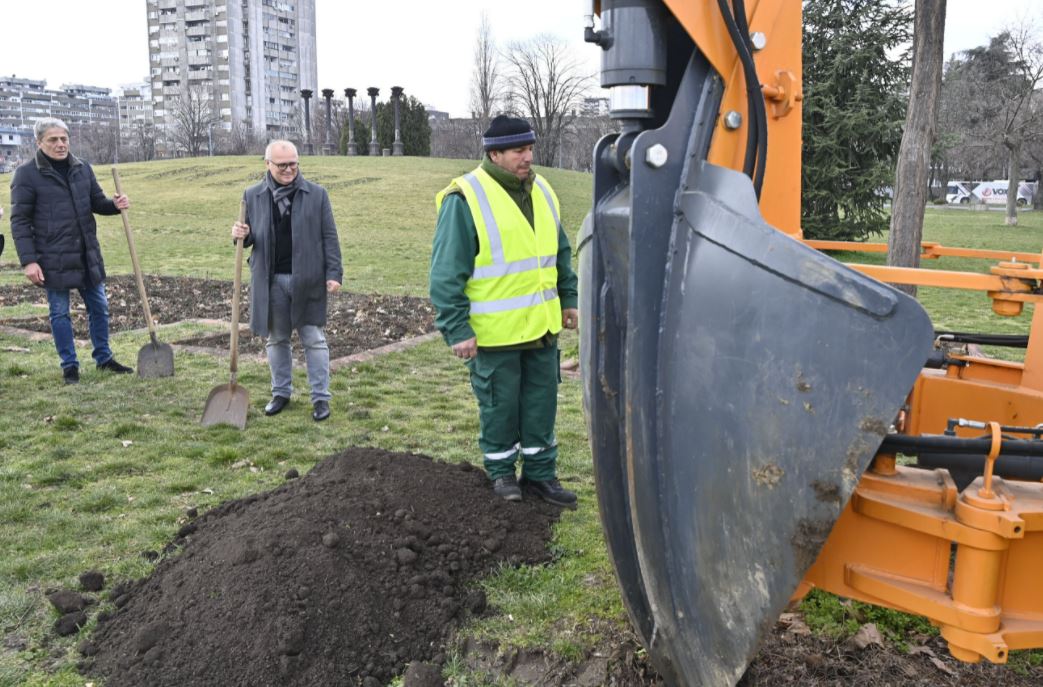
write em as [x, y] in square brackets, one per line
[294, 264]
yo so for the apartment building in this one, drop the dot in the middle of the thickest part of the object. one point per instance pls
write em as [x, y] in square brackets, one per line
[23, 101]
[135, 105]
[249, 59]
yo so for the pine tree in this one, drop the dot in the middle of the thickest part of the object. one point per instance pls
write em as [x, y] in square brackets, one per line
[856, 79]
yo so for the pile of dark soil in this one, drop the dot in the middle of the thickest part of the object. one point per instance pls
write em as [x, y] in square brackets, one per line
[339, 578]
[355, 322]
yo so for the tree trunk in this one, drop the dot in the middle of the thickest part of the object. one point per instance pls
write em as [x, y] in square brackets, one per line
[914, 156]
[1013, 145]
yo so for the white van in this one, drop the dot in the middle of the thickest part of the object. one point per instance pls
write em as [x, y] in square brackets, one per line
[958, 192]
[995, 192]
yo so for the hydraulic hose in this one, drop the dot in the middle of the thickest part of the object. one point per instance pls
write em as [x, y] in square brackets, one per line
[757, 131]
[916, 445]
[1005, 340]
[754, 96]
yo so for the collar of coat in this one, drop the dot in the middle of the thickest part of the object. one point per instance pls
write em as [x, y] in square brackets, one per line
[510, 183]
[44, 163]
[304, 186]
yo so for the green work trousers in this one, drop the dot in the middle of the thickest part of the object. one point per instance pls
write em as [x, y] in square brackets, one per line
[517, 392]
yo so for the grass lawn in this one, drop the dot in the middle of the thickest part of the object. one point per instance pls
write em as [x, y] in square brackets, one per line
[93, 475]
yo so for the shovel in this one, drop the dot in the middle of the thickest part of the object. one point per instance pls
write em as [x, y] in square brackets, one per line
[155, 359]
[228, 403]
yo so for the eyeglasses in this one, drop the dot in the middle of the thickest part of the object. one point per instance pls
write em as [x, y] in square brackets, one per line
[283, 166]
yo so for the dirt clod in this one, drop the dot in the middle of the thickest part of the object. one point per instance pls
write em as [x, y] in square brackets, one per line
[70, 623]
[92, 581]
[67, 601]
[422, 675]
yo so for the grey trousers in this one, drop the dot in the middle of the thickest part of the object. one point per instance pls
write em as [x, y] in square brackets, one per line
[280, 356]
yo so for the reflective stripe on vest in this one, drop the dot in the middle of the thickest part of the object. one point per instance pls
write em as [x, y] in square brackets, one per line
[515, 267]
[505, 304]
[495, 242]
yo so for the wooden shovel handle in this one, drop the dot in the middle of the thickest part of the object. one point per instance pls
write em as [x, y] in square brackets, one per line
[235, 293]
[134, 259]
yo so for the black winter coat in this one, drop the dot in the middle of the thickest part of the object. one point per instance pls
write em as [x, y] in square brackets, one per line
[52, 221]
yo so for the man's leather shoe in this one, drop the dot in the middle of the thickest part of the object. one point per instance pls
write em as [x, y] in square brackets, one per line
[111, 365]
[276, 405]
[71, 375]
[549, 490]
[506, 488]
[321, 411]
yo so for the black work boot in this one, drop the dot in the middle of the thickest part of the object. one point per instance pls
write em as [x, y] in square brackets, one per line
[551, 491]
[71, 374]
[506, 488]
[111, 365]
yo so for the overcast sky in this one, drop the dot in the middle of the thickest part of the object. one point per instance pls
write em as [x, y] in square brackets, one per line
[421, 45]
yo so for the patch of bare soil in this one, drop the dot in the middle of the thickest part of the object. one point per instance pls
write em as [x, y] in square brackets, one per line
[355, 322]
[791, 655]
[342, 577]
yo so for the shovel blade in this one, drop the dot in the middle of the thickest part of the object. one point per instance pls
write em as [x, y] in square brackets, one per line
[156, 360]
[227, 404]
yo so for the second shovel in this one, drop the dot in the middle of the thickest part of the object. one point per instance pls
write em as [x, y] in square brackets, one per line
[155, 359]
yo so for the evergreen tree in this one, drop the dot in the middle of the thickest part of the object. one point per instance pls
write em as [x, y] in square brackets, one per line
[361, 134]
[416, 130]
[856, 78]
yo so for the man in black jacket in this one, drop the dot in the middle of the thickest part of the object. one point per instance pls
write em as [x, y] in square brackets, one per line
[53, 200]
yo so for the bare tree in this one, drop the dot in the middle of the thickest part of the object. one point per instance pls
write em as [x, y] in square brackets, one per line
[579, 139]
[548, 83]
[453, 138]
[144, 137]
[96, 143]
[193, 116]
[1021, 119]
[914, 155]
[990, 90]
[486, 86]
[242, 138]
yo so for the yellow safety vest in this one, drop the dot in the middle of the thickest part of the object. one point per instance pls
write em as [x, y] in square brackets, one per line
[514, 286]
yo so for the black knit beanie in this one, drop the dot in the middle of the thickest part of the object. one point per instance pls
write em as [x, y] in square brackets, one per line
[506, 132]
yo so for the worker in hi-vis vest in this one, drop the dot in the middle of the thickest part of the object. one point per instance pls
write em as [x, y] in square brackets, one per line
[503, 285]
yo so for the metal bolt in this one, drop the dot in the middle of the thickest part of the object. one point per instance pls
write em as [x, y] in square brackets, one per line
[759, 40]
[656, 156]
[732, 120]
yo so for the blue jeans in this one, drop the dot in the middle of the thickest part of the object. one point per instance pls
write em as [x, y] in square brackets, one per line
[97, 319]
[280, 357]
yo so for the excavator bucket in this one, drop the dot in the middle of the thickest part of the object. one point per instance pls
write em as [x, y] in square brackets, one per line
[737, 383]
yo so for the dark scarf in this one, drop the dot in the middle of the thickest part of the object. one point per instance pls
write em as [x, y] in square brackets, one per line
[283, 195]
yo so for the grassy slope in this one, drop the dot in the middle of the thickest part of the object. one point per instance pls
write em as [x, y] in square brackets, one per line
[73, 496]
[182, 212]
